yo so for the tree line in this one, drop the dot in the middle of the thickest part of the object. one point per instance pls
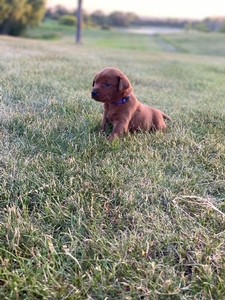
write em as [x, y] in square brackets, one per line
[16, 15]
[116, 18]
[97, 18]
[121, 19]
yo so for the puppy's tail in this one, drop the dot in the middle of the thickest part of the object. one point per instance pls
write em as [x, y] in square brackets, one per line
[166, 117]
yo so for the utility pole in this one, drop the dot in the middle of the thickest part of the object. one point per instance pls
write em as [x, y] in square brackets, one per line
[79, 22]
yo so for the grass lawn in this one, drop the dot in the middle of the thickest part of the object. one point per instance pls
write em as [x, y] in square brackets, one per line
[142, 217]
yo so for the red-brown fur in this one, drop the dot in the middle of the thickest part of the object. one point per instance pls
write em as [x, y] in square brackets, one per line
[111, 85]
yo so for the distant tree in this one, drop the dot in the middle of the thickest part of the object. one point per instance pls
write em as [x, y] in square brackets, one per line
[49, 13]
[131, 18]
[214, 23]
[59, 11]
[68, 20]
[79, 22]
[117, 18]
[98, 18]
[16, 15]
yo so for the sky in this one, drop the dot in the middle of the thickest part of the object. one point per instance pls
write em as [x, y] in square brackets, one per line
[192, 9]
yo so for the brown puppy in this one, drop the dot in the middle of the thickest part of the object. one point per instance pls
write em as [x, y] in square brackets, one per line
[121, 107]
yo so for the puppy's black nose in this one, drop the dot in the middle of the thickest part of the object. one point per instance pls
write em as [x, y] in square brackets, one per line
[94, 93]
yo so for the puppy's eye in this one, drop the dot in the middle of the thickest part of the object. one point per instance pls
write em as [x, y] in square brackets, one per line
[107, 84]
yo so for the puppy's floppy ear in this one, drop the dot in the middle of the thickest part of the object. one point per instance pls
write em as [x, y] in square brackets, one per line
[94, 80]
[124, 83]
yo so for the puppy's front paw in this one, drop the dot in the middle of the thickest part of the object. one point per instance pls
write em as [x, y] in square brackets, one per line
[112, 136]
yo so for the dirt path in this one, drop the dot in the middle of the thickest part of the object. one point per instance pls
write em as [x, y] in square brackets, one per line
[165, 46]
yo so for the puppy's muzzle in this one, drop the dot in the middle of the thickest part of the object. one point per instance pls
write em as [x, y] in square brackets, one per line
[94, 94]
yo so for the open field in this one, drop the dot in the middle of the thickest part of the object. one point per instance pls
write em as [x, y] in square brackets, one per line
[142, 217]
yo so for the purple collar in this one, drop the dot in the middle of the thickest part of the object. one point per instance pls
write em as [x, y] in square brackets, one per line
[122, 101]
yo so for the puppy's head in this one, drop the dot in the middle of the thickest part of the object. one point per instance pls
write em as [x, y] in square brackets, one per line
[110, 85]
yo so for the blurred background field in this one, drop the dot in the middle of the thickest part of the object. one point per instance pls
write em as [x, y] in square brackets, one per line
[193, 42]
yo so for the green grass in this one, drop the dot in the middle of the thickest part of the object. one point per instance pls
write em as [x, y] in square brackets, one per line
[118, 39]
[198, 43]
[139, 218]
[49, 30]
[113, 38]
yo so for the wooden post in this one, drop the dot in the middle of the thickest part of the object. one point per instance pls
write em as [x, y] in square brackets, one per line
[79, 22]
